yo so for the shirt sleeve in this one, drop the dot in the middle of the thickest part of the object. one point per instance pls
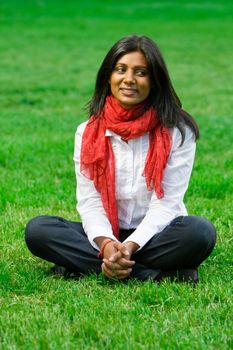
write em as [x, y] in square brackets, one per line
[175, 183]
[89, 204]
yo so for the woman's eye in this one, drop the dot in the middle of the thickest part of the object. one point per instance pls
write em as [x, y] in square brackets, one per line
[120, 69]
[141, 72]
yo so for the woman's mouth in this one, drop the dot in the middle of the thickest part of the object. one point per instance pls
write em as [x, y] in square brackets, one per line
[129, 91]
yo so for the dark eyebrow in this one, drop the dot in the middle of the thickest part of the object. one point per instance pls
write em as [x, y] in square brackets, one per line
[125, 65]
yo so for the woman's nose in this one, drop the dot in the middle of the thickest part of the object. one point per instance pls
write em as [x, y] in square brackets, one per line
[129, 77]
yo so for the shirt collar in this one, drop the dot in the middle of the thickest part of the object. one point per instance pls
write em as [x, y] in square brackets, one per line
[111, 133]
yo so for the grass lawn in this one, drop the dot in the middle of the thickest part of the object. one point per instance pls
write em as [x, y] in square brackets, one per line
[49, 55]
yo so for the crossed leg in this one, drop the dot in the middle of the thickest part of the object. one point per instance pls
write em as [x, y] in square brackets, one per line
[184, 244]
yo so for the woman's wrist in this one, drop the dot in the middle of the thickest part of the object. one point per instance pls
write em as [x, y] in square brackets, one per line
[131, 246]
[100, 241]
[104, 245]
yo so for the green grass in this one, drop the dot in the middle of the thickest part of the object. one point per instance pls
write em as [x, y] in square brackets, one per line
[49, 55]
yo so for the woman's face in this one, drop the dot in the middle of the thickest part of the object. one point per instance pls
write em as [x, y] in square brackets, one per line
[130, 81]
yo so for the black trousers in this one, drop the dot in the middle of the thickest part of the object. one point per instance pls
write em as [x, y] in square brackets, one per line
[184, 244]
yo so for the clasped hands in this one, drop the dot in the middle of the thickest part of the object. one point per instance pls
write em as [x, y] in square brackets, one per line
[116, 259]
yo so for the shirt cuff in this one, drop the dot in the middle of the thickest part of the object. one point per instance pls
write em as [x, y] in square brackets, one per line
[139, 236]
[97, 231]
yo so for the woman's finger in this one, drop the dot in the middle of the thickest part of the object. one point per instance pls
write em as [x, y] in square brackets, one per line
[112, 266]
[122, 252]
[125, 263]
[114, 273]
[115, 256]
[121, 264]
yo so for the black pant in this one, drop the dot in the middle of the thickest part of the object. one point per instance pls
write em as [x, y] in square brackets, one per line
[184, 244]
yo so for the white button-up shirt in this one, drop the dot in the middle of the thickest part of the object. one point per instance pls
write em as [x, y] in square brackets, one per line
[138, 208]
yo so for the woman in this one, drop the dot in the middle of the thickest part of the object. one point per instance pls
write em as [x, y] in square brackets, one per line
[133, 160]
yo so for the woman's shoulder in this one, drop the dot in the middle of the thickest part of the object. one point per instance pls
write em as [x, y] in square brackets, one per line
[189, 136]
[81, 127]
[78, 140]
[186, 130]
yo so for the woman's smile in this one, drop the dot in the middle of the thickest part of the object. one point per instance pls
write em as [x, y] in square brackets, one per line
[128, 91]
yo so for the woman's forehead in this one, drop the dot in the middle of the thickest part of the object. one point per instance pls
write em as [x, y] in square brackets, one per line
[135, 58]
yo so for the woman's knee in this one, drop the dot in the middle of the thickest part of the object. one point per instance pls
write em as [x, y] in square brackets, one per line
[201, 232]
[34, 233]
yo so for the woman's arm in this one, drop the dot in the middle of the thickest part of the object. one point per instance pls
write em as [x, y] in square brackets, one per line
[89, 204]
[175, 183]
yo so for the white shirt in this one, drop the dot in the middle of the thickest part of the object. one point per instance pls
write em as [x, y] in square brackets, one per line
[138, 208]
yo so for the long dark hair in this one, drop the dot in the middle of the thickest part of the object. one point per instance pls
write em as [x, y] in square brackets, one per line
[162, 95]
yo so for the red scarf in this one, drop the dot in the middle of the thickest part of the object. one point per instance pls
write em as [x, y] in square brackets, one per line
[97, 157]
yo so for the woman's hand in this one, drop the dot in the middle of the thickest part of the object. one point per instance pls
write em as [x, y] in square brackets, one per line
[116, 261]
